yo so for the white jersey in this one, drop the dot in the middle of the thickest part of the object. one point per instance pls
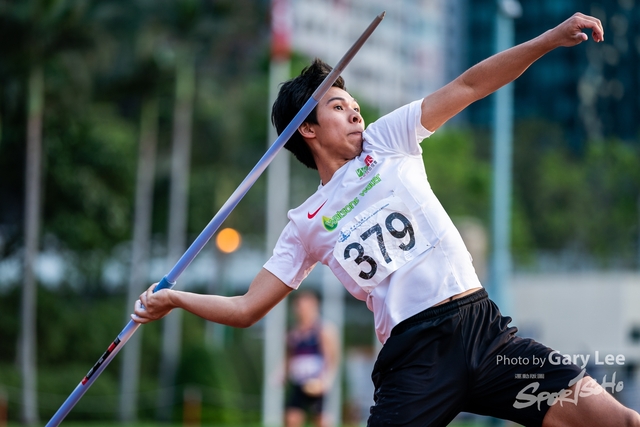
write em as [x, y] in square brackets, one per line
[380, 228]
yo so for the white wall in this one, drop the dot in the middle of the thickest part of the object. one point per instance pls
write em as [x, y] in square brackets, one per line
[579, 312]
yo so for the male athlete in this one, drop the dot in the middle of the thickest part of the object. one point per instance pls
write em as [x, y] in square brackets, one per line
[376, 223]
[312, 361]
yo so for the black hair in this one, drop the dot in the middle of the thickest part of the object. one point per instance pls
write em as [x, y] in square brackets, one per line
[291, 98]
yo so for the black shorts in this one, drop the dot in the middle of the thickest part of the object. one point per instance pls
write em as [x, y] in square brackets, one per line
[297, 398]
[462, 356]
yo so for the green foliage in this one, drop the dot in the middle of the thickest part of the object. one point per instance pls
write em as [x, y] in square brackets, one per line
[42, 29]
[55, 384]
[613, 177]
[459, 178]
[74, 331]
[561, 201]
[101, 61]
[92, 106]
[227, 379]
[72, 334]
[584, 203]
[67, 322]
[593, 204]
[234, 138]
[90, 180]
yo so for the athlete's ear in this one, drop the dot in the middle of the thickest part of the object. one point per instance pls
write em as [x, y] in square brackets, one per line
[307, 130]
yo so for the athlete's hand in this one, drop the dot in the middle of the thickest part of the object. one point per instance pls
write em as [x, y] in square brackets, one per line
[570, 32]
[314, 387]
[152, 306]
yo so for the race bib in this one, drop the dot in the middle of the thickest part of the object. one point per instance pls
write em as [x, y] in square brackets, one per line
[378, 242]
[304, 367]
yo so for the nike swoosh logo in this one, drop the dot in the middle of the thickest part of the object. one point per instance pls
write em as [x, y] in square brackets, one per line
[311, 215]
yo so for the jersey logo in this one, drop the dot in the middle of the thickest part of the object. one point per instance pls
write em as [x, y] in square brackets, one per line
[330, 224]
[311, 215]
[369, 164]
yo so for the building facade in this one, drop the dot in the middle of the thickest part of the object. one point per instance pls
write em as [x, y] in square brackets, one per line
[414, 51]
[591, 90]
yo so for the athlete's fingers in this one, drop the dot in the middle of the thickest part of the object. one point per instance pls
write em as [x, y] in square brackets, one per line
[145, 295]
[597, 30]
[157, 304]
[581, 22]
[139, 313]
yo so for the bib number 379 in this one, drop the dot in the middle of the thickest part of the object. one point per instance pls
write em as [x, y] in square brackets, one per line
[378, 242]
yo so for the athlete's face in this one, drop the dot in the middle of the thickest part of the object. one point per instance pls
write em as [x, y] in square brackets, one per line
[340, 125]
[306, 309]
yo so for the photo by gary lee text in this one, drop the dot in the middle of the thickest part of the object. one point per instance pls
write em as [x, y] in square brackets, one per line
[557, 358]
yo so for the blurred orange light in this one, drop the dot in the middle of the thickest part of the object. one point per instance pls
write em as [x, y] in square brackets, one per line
[228, 240]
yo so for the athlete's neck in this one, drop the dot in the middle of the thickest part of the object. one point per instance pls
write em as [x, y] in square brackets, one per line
[326, 170]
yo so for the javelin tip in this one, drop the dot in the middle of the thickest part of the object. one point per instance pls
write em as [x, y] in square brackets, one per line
[381, 16]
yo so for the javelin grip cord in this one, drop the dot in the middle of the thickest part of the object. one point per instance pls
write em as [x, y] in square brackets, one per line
[170, 279]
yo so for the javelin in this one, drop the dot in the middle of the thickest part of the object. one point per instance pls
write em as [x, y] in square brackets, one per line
[169, 280]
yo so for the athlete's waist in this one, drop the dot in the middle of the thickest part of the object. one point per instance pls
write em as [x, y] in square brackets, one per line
[457, 296]
[453, 303]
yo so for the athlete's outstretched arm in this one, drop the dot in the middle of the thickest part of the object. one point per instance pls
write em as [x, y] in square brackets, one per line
[264, 293]
[491, 74]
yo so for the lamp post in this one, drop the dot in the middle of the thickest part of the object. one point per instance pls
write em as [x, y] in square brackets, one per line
[277, 205]
[500, 268]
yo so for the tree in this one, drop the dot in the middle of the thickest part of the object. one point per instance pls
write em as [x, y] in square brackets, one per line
[44, 29]
[183, 20]
[135, 22]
